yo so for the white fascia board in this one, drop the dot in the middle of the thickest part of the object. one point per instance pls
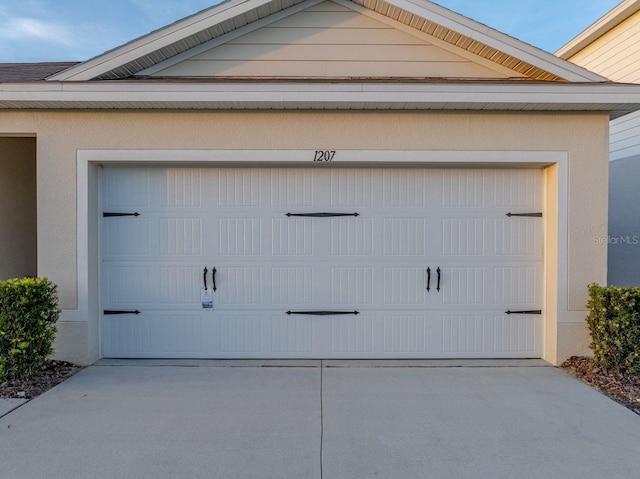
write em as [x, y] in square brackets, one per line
[600, 27]
[277, 95]
[156, 40]
[497, 40]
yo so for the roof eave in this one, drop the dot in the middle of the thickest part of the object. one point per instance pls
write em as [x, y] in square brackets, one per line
[613, 98]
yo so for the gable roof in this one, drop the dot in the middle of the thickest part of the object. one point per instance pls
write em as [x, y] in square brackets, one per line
[232, 18]
[600, 27]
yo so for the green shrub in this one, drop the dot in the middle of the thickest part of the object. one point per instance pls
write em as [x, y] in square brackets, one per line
[614, 323]
[28, 315]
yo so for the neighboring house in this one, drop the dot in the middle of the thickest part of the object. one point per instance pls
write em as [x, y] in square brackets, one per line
[611, 48]
[357, 179]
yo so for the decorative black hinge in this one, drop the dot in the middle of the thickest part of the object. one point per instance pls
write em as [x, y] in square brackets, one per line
[530, 215]
[111, 215]
[322, 215]
[535, 311]
[323, 313]
[111, 312]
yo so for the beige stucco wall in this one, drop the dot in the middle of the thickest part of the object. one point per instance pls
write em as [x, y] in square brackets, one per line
[61, 134]
[17, 207]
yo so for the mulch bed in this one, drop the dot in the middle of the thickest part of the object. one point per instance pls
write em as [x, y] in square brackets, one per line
[622, 388]
[53, 373]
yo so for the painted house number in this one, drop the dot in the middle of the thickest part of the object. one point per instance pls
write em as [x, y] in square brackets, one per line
[324, 155]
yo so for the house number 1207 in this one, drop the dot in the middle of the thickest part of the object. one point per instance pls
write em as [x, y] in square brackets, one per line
[324, 155]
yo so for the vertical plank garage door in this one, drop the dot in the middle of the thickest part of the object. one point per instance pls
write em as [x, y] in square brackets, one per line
[425, 263]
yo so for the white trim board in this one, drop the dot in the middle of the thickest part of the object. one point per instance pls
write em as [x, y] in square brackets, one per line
[85, 158]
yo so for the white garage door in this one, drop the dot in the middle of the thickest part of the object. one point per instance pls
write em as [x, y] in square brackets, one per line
[425, 263]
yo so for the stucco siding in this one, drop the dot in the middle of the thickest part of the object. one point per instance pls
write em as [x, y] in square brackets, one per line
[616, 54]
[17, 207]
[584, 137]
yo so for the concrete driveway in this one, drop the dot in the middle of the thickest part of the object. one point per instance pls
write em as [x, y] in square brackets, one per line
[346, 420]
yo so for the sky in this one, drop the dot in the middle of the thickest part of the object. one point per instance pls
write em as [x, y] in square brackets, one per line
[76, 30]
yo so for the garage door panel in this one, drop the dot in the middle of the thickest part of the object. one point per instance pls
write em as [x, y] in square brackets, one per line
[129, 286]
[292, 285]
[352, 285]
[241, 334]
[463, 188]
[289, 187]
[180, 236]
[180, 285]
[239, 187]
[239, 286]
[404, 236]
[520, 188]
[292, 236]
[517, 335]
[126, 187]
[352, 335]
[517, 286]
[463, 285]
[351, 187]
[124, 236]
[180, 187]
[234, 219]
[180, 334]
[463, 237]
[405, 333]
[239, 237]
[404, 188]
[352, 237]
[127, 335]
[404, 286]
[292, 335]
[518, 237]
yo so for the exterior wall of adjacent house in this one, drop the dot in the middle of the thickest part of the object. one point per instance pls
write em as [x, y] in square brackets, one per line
[616, 55]
[583, 137]
[18, 242]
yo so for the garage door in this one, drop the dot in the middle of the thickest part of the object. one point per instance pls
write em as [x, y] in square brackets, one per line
[321, 263]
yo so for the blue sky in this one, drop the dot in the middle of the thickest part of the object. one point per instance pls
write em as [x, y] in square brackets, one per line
[75, 30]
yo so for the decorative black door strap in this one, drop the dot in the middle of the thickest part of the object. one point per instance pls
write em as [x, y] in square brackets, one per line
[428, 279]
[322, 215]
[534, 311]
[111, 215]
[530, 215]
[438, 271]
[323, 313]
[111, 312]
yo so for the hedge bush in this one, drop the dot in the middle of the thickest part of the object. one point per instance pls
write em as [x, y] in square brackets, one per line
[614, 323]
[28, 315]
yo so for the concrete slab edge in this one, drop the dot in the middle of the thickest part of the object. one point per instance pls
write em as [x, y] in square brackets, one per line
[325, 363]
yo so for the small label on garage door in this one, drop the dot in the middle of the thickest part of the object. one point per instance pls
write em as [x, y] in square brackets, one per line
[207, 298]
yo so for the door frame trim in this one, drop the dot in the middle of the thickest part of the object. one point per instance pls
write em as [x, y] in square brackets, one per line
[555, 290]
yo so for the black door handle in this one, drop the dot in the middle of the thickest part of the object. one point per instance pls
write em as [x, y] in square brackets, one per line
[205, 278]
[438, 271]
[428, 279]
[213, 275]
